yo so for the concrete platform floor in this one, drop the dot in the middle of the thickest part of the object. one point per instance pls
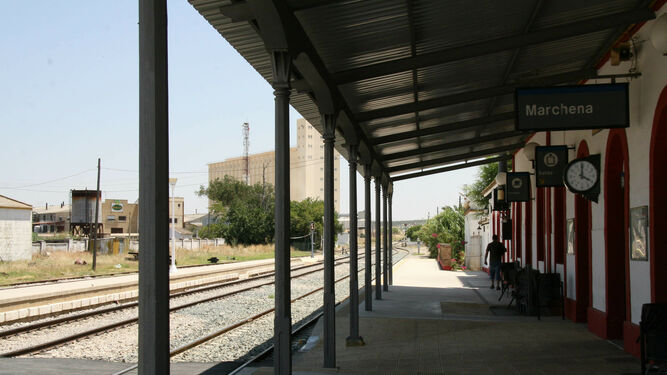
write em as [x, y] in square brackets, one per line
[444, 322]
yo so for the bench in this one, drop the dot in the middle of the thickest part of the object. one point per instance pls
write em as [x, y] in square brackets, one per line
[134, 254]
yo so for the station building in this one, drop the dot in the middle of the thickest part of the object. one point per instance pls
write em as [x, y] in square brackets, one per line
[610, 254]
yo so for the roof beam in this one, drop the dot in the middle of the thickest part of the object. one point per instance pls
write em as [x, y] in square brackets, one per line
[451, 168]
[494, 45]
[455, 144]
[474, 95]
[319, 77]
[455, 158]
[445, 128]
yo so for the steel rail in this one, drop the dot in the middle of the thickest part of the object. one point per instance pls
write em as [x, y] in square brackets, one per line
[111, 326]
[251, 319]
[189, 291]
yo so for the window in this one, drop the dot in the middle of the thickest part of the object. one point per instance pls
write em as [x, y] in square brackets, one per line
[174, 221]
[111, 218]
[179, 205]
[116, 230]
[122, 218]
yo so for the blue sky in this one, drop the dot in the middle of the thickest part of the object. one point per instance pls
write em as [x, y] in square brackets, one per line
[69, 94]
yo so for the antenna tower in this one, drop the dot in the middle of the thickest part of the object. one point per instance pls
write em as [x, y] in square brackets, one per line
[246, 146]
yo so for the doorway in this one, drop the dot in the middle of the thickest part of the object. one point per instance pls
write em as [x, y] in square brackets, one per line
[658, 202]
[616, 179]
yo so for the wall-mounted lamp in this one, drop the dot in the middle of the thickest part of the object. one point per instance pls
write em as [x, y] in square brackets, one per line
[529, 151]
[659, 34]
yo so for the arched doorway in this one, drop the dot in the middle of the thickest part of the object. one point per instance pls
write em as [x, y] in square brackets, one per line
[658, 202]
[616, 211]
[582, 246]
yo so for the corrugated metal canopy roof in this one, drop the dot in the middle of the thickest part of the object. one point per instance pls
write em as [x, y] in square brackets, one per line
[427, 83]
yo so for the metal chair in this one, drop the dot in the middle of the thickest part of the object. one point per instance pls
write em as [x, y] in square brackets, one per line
[549, 287]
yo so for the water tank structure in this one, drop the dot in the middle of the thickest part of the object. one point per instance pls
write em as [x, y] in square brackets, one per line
[83, 211]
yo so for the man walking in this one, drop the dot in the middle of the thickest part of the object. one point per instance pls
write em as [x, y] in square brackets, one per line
[497, 250]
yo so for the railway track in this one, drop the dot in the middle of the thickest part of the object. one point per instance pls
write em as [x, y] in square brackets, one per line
[124, 322]
[206, 281]
[182, 348]
[26, 284]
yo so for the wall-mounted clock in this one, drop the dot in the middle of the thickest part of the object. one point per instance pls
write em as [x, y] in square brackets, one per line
[582, 176]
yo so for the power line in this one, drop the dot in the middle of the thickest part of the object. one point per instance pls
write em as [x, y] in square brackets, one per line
[46, 182]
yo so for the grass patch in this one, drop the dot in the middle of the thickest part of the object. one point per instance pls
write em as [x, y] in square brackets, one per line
[60, 264]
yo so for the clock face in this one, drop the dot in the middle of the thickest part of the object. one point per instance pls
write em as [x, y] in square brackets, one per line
[581, 176]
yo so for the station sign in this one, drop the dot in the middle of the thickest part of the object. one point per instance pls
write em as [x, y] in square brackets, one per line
[573, 107]
[518, 186]
[550, 162]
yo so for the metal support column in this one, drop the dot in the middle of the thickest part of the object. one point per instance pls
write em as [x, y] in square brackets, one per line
[391, 248]
[282, 323]
[378, 241]
[368, 278]
[354, 339]
[385, 248]
[329, 125]
[153, 189]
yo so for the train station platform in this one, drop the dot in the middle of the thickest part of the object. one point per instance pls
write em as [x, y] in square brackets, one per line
[429, 322]
[450, 322]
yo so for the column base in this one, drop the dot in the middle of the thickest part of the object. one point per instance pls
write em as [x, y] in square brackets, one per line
[354, 341]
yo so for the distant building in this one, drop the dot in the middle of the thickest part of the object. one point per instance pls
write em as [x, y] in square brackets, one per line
[51, 219]
[306, 167]
[179, 216]
[15, 230]
[119, 216]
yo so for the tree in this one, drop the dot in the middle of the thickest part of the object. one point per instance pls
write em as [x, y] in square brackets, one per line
[446, 227]
[306, 211]
[245, 213]
[412, 232]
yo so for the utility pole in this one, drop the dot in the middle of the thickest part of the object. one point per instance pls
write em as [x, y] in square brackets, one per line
[312, 244]
[97, 214]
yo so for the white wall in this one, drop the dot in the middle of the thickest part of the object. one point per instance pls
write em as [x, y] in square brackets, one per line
[644, 94]
[15, 234]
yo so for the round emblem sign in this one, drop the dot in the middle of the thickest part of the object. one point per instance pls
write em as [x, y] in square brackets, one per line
[516, 183]
[550, 159]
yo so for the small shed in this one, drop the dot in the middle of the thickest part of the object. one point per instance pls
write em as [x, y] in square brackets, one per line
[15, 230]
